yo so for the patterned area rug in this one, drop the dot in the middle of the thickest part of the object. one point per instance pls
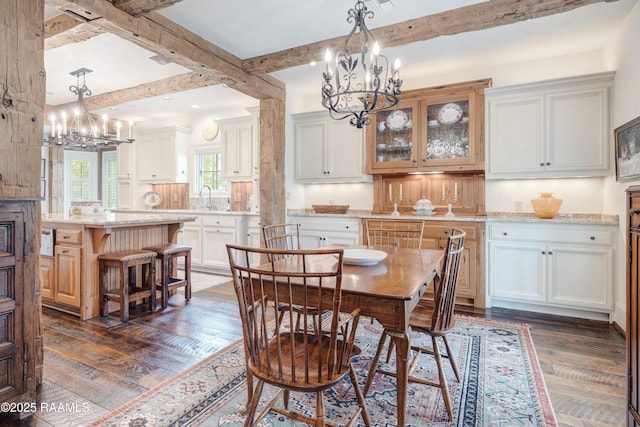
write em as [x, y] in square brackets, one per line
[501, 385]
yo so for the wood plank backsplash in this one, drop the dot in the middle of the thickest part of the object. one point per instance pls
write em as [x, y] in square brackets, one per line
[465, 192]
[174, 196]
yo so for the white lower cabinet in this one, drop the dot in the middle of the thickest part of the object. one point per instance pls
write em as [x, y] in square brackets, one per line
[192, 235]
[554, 268]
[316, 232]
[208, 237]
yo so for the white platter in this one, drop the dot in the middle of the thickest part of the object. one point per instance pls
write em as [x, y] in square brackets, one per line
[152, 199]
[363, 256]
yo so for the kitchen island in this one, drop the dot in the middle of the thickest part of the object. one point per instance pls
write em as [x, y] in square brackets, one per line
[70, 272]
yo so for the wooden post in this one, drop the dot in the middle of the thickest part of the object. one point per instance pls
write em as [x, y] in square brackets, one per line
[22, 98]
[272, 155]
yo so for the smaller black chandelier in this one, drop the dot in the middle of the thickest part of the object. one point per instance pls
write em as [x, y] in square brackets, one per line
[71, 133]
[344, 93]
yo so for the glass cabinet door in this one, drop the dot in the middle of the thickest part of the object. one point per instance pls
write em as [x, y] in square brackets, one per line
[393, 136]
[448, 136]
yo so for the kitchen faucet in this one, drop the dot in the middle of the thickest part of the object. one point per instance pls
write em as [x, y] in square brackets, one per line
[209, 205]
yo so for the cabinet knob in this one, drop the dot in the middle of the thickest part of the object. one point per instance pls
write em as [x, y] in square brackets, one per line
[592, 237]
[544, 252]
[541, 164]
[504, 233]
[347, 227]
[548, 163]
[550, 252]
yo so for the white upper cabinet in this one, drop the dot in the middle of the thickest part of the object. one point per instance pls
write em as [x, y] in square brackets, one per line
[238, 147]
[125, 155]
[163, 155]
[328, 150]
[557, 128]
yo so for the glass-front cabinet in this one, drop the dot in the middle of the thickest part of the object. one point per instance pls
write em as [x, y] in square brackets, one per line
[449, 137]
[430, 130]
[396, 136]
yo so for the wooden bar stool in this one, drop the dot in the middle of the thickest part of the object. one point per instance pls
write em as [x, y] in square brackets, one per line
[168, 283]
[128, 290]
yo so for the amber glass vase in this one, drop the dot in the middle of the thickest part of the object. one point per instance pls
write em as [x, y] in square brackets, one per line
[546, 206]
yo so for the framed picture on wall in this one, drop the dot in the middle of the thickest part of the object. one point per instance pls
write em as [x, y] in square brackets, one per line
[628, 150]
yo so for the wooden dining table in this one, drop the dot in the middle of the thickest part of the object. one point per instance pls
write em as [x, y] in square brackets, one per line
[389, 291]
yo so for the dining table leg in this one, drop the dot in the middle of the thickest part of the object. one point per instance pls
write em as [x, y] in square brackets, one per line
[402, 342]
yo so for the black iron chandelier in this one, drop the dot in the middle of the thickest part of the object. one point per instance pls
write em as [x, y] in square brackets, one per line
[345, 93]
[82, 131]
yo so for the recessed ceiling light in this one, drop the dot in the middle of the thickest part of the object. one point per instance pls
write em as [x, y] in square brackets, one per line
[312, 63]
[195, 106]
[113, 108]
[166, 97]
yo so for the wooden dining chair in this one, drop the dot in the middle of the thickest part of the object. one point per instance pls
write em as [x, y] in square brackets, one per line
[287, 236]
[284, 356]
[281, 236]
[438, 323]
[386, 234]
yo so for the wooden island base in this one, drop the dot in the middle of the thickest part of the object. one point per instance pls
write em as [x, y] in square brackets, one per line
[71, 277]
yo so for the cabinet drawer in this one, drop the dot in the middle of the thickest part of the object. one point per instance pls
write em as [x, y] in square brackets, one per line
[68, 236]
[328, 225]
[552, 234]
[443, 231]
[219, 221]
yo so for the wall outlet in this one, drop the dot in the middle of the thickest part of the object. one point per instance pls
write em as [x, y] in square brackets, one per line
[174, 197]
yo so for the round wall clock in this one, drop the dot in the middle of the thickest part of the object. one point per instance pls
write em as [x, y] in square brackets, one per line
[210, 129]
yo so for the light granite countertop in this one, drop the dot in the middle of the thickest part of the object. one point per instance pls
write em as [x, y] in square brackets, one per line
[114, 219]
[565, 218]
[196, 212]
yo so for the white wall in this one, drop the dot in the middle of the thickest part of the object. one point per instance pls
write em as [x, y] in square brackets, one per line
[623, 56]
[578, 195]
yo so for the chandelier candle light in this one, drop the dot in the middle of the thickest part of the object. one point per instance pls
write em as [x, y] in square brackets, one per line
[70, 132]
[347, 94]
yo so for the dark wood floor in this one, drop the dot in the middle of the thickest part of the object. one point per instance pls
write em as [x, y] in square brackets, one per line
[93, 367]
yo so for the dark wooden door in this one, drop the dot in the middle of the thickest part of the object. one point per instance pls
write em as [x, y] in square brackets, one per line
[11, 277]
[633, 301]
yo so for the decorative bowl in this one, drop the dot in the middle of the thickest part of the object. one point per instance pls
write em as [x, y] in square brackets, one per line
[423, 205]
[331, 209]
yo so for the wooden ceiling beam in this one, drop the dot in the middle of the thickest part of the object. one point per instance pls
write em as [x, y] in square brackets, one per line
[141, 7]
[480, 16]
[160, 87]
[162, 36]
[63, 29]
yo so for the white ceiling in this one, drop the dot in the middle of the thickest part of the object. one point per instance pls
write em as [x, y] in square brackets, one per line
[248, 28]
